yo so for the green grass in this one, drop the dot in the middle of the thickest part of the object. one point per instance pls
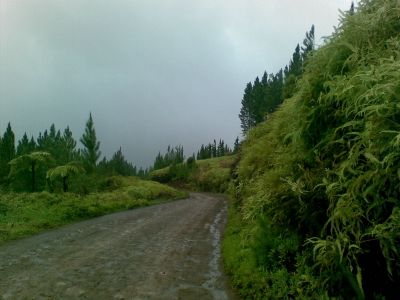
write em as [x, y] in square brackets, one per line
[211, 175]
[265, 263]
[319, 180]
[24, 214]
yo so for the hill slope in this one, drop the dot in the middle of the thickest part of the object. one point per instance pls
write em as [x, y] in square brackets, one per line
[210, 175]
[316, 213]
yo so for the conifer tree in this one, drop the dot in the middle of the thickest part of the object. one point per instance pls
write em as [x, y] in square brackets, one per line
[351, 11]
[273, 92]
[119, 165]
[257, 108]
[221, 148]
[91, 151]
[236, 145]
[245, 115]
[264, 79]
[141, 173]
[214, 149]
[308, 44]
[32, 145]
[7, 151]
[23, 145]
[68, 146]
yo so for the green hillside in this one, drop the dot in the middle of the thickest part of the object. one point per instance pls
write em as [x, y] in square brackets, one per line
[211, 175]
[316, 213]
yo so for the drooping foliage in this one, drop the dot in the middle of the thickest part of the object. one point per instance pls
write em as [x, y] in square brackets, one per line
[29, 162]
[318, 183]
[64, 173]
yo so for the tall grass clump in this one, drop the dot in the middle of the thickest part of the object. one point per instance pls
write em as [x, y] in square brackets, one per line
[323, 171]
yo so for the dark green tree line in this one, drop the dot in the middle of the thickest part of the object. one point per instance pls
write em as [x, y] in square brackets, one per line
[53, 157]
[262, 97]
[214, 150]
[117, 165]
[174, 155]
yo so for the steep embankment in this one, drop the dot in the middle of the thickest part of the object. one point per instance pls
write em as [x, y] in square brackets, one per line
[316, 211]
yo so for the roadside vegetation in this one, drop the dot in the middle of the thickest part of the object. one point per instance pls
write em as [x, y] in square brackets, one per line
[23, 214]
[209, 175]
[48, 182]
[314, 186]
[315, 211]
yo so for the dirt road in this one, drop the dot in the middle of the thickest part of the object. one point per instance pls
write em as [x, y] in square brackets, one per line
[168, 251]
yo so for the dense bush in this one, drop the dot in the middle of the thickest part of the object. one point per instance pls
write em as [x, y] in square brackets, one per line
[323, 170]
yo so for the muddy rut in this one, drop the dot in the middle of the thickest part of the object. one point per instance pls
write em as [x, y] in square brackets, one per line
[168, 251]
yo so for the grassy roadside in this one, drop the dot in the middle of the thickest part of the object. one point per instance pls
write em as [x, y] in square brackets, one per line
[317, 212]
[265, 263]
[24, 214]
[208, 175]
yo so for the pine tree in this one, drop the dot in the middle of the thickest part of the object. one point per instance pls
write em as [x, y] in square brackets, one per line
[68, 145]
[351, 11]
[264, 79]
[257, 108]
[308, 44]
[141, 173]
[23, 145]
[91, 151]
[236, 145]
[120, 165]
[221, 148]
[245, 116]
[214, 149]
[292, 73]
[7, 151]
[32, 145]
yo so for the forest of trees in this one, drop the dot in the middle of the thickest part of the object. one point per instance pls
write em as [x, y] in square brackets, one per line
[175, 155]
[36, 164]
[216, 150]
[262, 97]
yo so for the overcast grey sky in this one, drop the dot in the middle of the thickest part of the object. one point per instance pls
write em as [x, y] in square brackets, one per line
[151, 72]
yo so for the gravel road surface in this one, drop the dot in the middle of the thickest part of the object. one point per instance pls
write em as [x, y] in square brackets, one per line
[167, 251]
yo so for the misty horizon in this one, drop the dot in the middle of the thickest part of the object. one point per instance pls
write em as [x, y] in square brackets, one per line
[152, 74]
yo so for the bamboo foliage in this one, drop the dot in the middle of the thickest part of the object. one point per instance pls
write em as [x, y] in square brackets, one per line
[326, 164]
